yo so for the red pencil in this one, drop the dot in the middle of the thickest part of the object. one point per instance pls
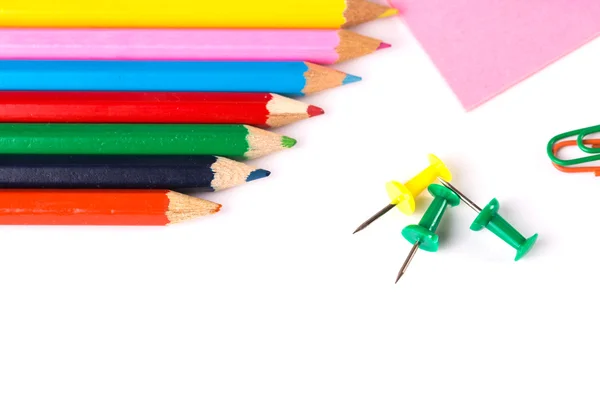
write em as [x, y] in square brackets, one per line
[258, 109]
[100, 207]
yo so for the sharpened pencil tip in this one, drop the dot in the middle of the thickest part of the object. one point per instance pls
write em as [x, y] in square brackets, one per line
[288, 142]
[257, 174]
[388, 13]
[313, 111]
[351, 79]
[384, 45]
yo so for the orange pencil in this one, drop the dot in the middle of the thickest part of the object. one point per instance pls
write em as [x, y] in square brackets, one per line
[100, 207]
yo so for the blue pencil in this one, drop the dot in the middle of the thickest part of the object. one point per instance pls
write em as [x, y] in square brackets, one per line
[205, 173]
[291, 78]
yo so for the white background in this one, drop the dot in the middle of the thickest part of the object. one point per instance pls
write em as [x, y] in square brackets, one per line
[275, 299]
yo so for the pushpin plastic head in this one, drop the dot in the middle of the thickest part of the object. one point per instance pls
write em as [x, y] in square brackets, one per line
[427, 240]
[404, 195]
[441, 192]
[423, 236]
[489, 218]
[442, 171]
[401, 197]
[424, 233]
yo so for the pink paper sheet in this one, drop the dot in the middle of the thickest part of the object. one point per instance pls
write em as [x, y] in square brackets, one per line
[483, 47]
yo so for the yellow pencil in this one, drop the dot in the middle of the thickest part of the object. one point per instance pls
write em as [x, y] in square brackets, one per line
[190, 13]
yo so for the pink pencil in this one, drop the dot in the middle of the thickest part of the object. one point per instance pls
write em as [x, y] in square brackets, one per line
[317, 46]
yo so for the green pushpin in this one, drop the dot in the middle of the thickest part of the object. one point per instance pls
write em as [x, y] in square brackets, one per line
[490, 219]
[423, 236]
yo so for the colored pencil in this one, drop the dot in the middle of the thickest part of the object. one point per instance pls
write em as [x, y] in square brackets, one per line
[100, 207]
[258, 109]
[317, 46]
[329, 14]
[207, 173]
[294, 78]
[232, 141]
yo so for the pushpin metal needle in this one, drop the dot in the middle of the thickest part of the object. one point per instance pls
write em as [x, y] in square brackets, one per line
[490, 218]
[423, 236]
[464, 198]
[403, 195]
[375, 217]
[409, 259]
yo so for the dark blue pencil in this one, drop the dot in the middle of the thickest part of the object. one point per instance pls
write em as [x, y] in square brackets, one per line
[292, 78]
[208, 173]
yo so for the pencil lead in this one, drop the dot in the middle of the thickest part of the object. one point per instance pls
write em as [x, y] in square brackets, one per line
[288, 142]
[384, 45]
[313, 111]
[389, 13]
[351, 79]
[258, 174]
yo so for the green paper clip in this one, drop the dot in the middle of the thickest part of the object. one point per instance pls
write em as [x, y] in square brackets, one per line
[589, 146]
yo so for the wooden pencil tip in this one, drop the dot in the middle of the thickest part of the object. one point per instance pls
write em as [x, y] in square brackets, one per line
[184, 208]
[360, 11]
[261, 142]
[384, 45]
[283, 111]
[229, 173]
[353, 45]
[313, 111]
[319, 78]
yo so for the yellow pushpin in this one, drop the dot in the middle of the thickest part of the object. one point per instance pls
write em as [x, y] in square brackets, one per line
[403, 195]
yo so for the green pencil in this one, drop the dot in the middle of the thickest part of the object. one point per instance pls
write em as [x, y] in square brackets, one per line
[233, 141]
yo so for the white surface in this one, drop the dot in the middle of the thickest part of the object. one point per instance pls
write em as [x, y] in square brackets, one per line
[275, 299]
